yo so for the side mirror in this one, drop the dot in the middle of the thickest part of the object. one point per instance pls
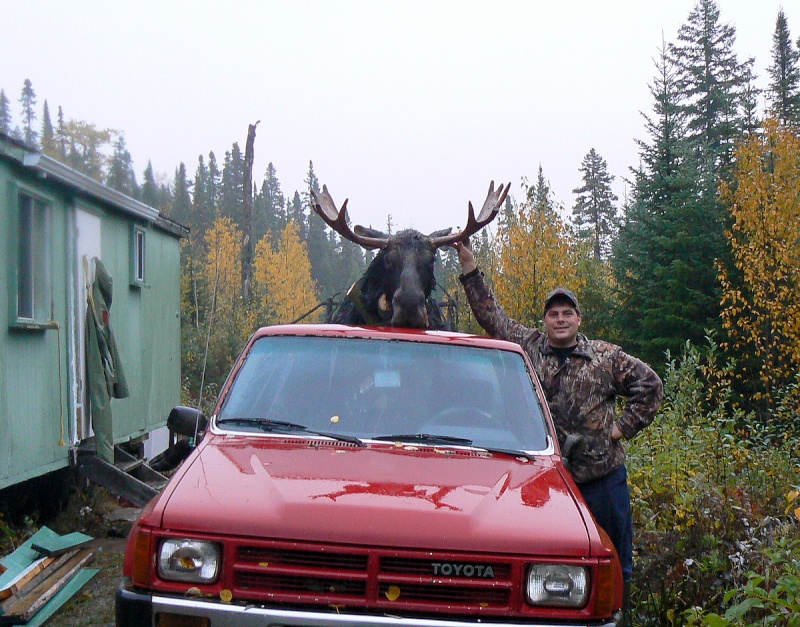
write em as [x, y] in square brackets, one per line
[187, 421]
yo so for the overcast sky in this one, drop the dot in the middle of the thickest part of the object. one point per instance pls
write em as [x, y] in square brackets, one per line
[408, 108]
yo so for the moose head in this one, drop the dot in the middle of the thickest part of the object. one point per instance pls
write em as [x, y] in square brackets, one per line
[396, 288]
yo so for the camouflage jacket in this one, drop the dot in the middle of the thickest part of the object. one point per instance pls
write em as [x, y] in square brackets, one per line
[581, 393]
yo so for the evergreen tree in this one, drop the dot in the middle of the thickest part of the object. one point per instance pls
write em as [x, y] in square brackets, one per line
[149, 187]
[712, 82]
[120, 171]
[319, 247]
[271, 214]
[48, 133]
[213, 186]
[181, 210]
[296, 214]
[231, 195]
[594, 213]
[202, 205]
[784, 85]
[5, 114]
[28, 101]
[61, 137]
[751, 118]
[662, 261]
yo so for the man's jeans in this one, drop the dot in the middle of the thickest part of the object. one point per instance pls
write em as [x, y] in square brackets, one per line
[610, 502]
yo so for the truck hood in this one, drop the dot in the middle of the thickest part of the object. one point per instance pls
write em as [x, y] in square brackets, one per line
[381, 495]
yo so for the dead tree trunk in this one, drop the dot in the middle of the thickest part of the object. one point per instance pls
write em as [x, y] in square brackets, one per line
[247, 215]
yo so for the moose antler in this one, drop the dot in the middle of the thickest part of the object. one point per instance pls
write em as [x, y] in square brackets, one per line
[488, 212]
[337, 220]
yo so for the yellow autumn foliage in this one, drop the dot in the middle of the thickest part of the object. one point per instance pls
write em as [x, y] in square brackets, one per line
[760, 304]
[283, 286]
[535, 256]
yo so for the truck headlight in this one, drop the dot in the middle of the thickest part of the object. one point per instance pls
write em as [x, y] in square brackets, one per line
[557, 585]
[196, 561]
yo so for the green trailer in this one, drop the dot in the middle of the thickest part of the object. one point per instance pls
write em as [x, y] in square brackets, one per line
[60, 227]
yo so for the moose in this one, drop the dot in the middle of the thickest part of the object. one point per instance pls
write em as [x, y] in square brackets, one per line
[396, 288]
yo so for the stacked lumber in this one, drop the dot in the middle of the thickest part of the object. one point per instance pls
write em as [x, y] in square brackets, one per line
[35, 577]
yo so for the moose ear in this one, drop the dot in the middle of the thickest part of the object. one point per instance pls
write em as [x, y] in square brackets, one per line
[441, 233]
[368, 232]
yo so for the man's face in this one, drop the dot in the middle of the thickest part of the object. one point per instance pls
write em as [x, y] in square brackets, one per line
[561, 321]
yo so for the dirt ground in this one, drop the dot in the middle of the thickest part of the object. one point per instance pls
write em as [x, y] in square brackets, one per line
[94, 511]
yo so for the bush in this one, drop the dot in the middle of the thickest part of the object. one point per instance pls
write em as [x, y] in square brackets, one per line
[707, 495]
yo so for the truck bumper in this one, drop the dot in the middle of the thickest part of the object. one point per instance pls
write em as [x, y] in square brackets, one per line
[134, 609]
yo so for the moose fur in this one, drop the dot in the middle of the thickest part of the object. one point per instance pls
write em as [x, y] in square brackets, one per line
[396, 287]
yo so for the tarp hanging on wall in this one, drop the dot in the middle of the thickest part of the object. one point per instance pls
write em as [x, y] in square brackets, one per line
[105, 377]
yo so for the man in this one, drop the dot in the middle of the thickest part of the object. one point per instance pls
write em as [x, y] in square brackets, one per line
[582, 379]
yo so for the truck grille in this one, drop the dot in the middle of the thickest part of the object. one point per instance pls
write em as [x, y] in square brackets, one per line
[389, 580]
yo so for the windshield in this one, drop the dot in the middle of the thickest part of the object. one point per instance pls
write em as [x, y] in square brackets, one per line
[368, 389]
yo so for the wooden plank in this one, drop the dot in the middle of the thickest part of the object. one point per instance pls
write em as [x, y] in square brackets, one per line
[17, 564]
[23, 589]
[80, 579]
[62, 544]
[24, 555]
[118, 482]
[27, 606]
[17, 583]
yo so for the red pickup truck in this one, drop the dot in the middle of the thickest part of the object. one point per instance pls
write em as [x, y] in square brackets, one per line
[371, 477]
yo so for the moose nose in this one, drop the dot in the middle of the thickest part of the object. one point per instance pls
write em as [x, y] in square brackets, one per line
[408, 309]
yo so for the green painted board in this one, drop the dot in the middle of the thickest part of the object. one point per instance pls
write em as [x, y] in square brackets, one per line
[61, 544]
[25, 555]
[80, 579]
[44, 541]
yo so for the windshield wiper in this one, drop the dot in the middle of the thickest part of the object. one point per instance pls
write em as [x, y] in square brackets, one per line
[427, 438]
[271, 426]
[264, 424]
[508, 451]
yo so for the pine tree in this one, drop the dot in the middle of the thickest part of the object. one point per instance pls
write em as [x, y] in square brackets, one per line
[120, 171]
[295, 212]
[712, 82]
[594, 213]
[214, 184]
[661, 259]
[28, 101]
[319, 248]
[61, 137]
[272, 218]
[149, 187]
[49, 146]
[231, 193]
[5, 114]
[784, 86]
[202, 205]
[181, 210]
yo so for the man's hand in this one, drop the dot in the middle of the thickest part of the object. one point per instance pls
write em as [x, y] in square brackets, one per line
[616, 434]
[465, 256]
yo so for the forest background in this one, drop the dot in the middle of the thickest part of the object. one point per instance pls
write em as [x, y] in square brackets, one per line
[696, 271]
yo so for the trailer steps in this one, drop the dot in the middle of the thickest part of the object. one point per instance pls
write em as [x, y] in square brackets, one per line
[129, 477]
